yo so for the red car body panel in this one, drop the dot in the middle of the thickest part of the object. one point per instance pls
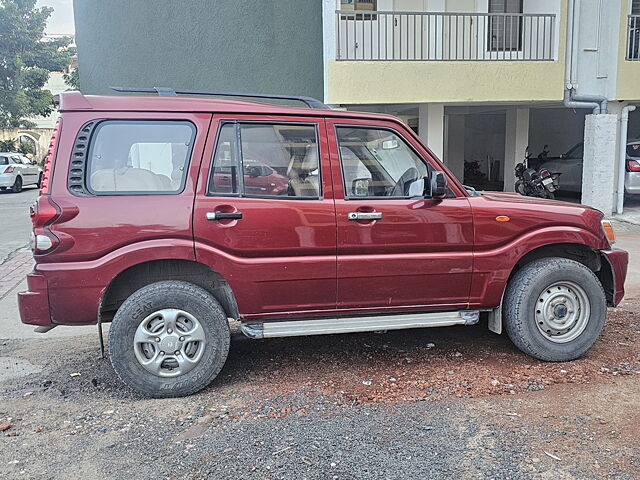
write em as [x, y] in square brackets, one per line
[290, 257]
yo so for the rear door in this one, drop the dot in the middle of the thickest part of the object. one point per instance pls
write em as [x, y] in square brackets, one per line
[396, 249]
[264, 215]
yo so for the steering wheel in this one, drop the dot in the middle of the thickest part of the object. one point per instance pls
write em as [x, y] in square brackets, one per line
[401, 188]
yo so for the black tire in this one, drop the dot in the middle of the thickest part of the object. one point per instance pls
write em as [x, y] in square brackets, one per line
[169, 295]
[521, 302]
[39, 184]
[519, 187]
[17, 185]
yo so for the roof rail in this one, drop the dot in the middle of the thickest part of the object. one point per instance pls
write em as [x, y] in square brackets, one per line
[170, 92]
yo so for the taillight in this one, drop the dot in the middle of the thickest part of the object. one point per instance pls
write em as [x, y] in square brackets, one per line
[9, 169]
[43, 213]
[544, 173]
[48, 160]
[633, 166]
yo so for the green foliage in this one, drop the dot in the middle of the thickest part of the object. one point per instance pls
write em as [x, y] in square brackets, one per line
[26, 60]
[26, 148]
[72, 79]
[7, 145]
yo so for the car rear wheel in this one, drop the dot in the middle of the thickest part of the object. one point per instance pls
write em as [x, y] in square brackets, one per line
[17, 185]
[169, 339]
[554, 309]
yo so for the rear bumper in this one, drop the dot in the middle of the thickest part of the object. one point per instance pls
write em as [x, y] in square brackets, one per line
[618, 261]
[34, 303]
[632, 183]
[7, 179]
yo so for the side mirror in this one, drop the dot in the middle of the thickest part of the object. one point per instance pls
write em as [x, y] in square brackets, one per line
[437, 185]
[360, 187]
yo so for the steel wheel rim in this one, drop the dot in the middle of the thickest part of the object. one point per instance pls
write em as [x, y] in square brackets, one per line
[169, 342]
[562, 311]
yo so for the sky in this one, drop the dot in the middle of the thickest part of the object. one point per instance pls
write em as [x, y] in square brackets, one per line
[61, 20]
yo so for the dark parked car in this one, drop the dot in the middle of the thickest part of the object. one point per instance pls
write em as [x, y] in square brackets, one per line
[135, 225]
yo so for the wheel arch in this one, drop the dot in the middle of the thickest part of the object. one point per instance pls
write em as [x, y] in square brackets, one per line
[581, 253]
[145, 273]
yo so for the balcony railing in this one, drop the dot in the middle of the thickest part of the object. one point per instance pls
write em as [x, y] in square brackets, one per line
[421, 36]
[633, 37]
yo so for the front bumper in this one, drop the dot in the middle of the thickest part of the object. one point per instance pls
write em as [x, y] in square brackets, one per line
[34, 303]
[7, 179]
[618, 261]
[632, 183]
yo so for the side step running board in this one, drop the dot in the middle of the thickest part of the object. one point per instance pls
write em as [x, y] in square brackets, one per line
[359, 324]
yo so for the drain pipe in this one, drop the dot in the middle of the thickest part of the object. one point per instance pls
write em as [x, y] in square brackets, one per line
[624, 124]
[571, 98]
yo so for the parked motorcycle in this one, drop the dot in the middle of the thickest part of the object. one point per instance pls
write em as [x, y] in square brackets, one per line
[535, 183]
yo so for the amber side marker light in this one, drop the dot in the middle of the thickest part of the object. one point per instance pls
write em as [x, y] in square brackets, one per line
[502, 218]
[608, 231]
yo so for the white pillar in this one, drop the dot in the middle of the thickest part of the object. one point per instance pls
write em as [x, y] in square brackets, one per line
[329, 41]
[431, 126]
[454, 158]
[516, 139]
[599, 161]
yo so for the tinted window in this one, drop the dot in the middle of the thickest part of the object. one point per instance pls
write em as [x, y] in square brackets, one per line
[378, 163]
[4, 160]
[278, 160]
[633, 150]
[140, 156]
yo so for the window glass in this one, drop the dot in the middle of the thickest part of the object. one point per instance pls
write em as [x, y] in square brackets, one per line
[16, 159]
[633, 150]
[224, 176]
[378, 163]
[140, 156]
[278, 160]
[4, 160]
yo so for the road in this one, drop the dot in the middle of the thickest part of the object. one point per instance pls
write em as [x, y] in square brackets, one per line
[440, 403]
[14, 220]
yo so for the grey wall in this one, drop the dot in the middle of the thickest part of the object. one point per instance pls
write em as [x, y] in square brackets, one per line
[241, 45]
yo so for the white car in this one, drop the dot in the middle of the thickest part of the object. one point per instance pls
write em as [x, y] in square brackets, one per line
[17, 171]
[569, 165]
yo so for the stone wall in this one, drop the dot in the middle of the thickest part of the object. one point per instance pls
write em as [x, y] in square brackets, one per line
[40, 136]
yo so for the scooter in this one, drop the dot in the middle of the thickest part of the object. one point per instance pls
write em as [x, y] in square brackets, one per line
[533, 183]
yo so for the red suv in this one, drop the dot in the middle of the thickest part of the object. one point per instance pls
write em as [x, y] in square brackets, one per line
[169, 215]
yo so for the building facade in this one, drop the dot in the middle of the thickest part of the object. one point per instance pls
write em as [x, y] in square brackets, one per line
[479, 80]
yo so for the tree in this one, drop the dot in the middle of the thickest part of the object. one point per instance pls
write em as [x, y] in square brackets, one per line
[26, 59]
[72, 79]
[8, 145]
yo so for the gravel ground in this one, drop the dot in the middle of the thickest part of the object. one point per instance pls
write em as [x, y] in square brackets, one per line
[434, 403]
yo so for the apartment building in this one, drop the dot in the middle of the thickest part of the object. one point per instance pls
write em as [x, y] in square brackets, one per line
[479, 80]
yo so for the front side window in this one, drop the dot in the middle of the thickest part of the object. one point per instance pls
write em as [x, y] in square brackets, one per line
[379, 163]
[266, 160]
[133, 156]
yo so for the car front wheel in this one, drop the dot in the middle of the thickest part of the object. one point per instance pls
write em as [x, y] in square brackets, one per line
[554, 309]
[169, 339]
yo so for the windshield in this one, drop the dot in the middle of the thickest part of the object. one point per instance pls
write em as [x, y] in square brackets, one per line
[633, 150]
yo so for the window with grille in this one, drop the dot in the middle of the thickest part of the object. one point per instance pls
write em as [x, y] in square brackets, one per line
[505, 29]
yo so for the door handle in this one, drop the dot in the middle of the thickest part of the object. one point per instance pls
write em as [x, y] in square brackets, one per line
[215, 216]
[364, 216]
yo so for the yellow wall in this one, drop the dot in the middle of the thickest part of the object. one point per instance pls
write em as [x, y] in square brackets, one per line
[409, 82]
[352, 82]
[628, 81]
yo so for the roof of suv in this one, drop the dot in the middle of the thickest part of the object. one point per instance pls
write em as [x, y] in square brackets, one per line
[73, 101]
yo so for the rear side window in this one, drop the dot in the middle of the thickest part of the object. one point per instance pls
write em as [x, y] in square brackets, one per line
[266, 160]
[4, 160]
[143, 157]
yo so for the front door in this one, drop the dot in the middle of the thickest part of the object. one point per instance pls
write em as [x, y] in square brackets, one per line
[396, 248]
[264, 216]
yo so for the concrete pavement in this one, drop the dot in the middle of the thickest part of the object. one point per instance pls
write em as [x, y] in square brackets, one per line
[15, 224]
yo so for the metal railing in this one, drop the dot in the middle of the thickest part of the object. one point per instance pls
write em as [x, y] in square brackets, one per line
[375, 35]
[633, 37]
